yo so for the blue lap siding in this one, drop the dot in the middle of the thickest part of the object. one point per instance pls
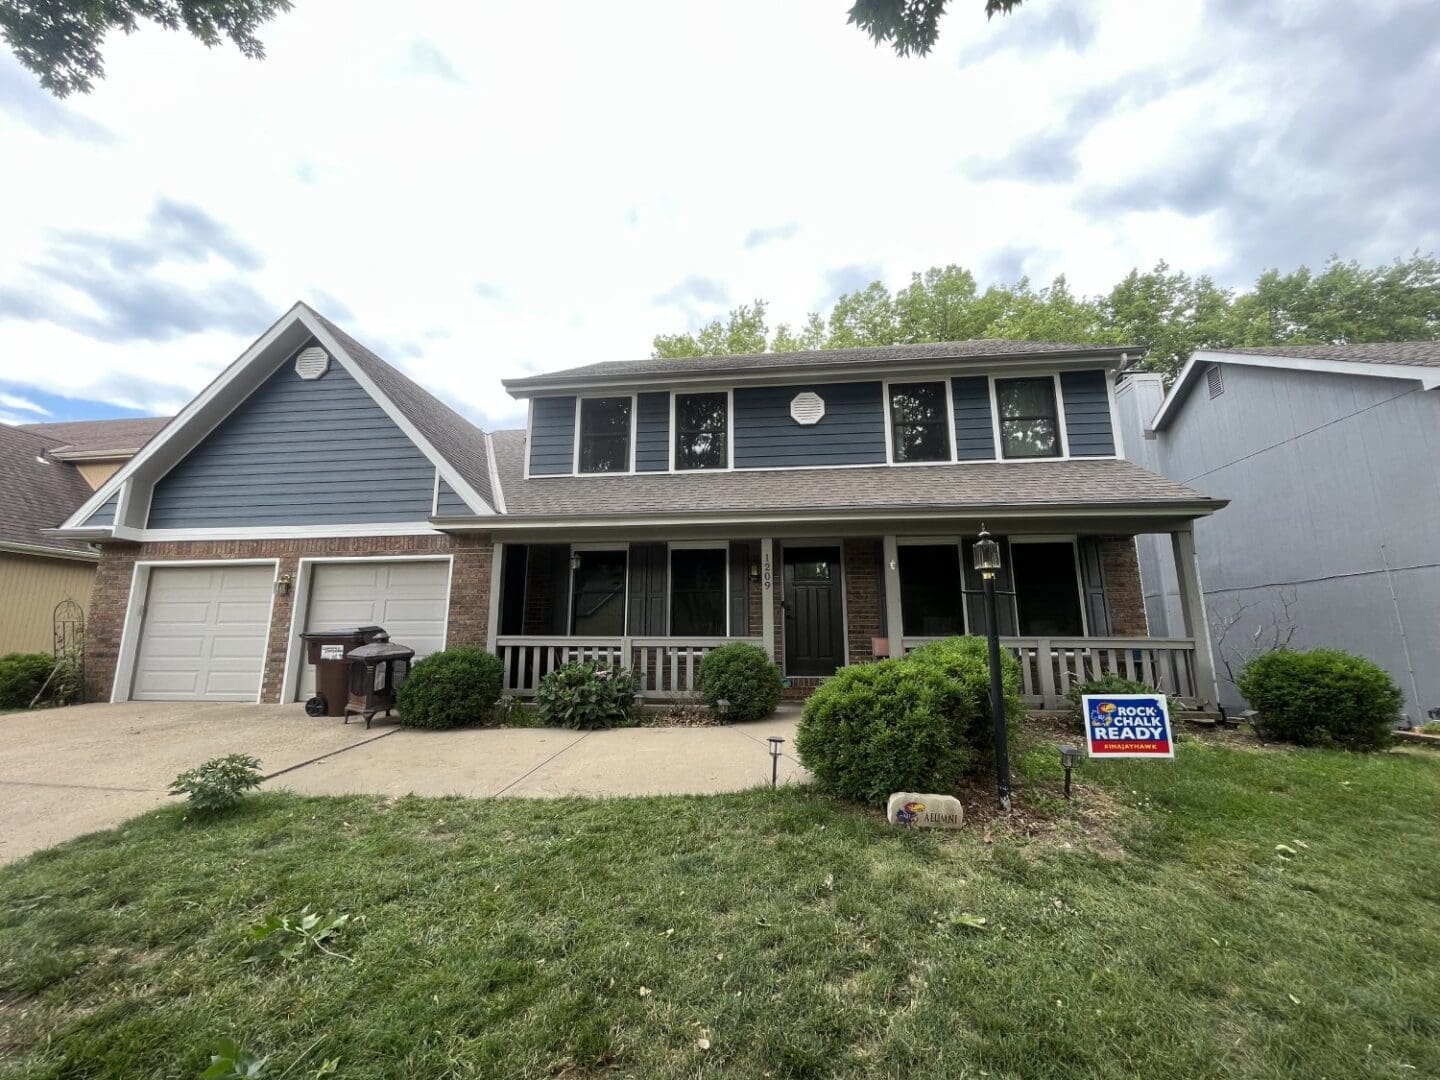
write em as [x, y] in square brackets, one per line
[105, 515]
[1087, 413]
[298, 452]
[552, 436]
[652, 433]
[974, 432]
[852, 431]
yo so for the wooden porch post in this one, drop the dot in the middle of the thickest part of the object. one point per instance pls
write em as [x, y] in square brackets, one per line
[894, 622]
[497, 576]
[1192, 608]
[767, 595]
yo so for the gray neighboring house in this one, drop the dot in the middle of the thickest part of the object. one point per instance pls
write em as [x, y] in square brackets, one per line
[1330, 457]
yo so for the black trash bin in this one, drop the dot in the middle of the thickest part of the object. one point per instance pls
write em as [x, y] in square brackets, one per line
[326, 649]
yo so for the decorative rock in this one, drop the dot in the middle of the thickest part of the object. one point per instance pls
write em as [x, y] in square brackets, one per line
[925, 811]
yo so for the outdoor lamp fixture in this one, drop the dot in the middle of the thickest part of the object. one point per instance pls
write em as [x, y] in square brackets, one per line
[574, 560]
[722, 706]
[754, 571]
[775, 742]
[1069, 757]
[987, 561]
[282, 585]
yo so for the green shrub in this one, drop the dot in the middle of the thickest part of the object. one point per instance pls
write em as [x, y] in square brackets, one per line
[21, 677]
[1323, 697]
[218, 784]
[1109, 684]
[1430, 727]
[451, 688]
[745, 676]
[587, 695]
[874, 729]
[965, 660]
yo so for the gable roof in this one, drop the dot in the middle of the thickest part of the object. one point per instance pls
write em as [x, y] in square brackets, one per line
[96, 437]
[1418, 360]
[1076, 484]
[860, 359]
[454, 445]
[459, 441]
[41, 492]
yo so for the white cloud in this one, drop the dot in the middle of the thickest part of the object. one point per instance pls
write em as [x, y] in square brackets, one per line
[24, 405]
[499, 197]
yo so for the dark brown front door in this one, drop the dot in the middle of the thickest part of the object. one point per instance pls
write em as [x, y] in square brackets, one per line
[814, 623]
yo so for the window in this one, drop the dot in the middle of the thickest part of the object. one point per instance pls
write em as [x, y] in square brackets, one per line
[605, 435]
[930, 598]
[598, 587]
[814, 572]
[698, 596]
[919, 422]
[1047, 589]
[1029, 427]
[700, 431]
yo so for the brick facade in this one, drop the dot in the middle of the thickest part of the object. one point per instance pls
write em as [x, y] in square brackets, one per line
[1123, 593]
[864, 620]
[469, 590]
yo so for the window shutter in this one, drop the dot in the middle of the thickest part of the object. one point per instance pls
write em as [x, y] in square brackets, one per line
[647, 589]
[975, 591]
[739, 584]
[1092, 571]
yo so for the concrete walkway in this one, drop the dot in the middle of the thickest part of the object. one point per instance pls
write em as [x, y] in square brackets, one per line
[66, 772]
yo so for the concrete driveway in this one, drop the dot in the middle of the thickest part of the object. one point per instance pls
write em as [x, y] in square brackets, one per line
[65, 772]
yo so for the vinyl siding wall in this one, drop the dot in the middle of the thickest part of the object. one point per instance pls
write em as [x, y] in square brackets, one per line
[552, 436]
[652, 433]
[299, 452]
[32, 587]
[852, 431]
[1087, 413]
[105, 515]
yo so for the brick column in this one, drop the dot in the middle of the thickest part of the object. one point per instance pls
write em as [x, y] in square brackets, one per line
[106, 619]
[1123, 593]
[863, 617]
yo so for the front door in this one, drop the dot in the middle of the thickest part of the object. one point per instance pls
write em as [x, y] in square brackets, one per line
[814, 622]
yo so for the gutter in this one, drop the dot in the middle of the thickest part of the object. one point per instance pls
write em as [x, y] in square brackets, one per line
[50, 552]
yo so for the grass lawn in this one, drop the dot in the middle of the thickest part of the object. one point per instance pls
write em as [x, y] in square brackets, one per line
[1157, 931]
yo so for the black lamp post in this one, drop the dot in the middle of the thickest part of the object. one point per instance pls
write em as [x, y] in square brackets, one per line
[775, 742]
[987, 561]
[1069, 758]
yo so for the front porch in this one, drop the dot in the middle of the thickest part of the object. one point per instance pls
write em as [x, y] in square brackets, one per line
[1070, 608]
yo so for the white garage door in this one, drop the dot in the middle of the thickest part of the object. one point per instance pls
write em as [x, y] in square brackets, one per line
[406, 598]
[203, 634]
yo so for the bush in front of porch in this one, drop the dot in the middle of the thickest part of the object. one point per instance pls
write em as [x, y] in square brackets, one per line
[451, 688]
[586, 695]
[914, 724]
[742, 675]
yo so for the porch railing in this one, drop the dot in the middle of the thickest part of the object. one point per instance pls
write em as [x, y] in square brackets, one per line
[1050, 667]
[666, 667]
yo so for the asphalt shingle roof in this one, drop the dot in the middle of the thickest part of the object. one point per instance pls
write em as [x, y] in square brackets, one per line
[457, 440]
[40, 491]
[76, 436]
[1415, 353]
[977, 348]
[1079, 483]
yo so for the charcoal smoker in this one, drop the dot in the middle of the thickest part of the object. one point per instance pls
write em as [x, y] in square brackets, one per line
[376, 670]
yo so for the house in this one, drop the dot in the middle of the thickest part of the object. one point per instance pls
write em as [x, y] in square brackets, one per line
[50, 470]
[1328, 455]
[821, 505]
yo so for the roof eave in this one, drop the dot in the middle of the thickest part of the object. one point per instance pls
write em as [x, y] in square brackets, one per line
[48, 552]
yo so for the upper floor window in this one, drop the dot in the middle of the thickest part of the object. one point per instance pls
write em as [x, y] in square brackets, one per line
[919, 422]
[701, 425]
[1029, 425]
[604, 435]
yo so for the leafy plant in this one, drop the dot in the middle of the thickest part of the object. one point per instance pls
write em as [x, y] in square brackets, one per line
[1431, 727]
[451, 688]
[1109, 684]
[1323, 697]
[585, 696]
[21, 677]
[219, 783]
[745, 676]
[287, 938]
[229, 1062]
[966, 661]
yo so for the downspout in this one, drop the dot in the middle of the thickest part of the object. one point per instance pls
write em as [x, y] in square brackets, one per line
[1404, 640]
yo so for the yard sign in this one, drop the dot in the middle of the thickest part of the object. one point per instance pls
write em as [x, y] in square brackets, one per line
[1128, 725]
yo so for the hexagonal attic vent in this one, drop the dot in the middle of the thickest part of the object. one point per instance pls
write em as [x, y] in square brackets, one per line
[807, 408]
[312, 362]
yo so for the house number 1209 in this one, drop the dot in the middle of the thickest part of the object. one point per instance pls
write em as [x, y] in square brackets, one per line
[767, 575]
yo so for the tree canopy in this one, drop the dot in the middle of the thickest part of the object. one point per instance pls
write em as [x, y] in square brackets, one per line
[1167, 311]
[60, 40]
[910, 26]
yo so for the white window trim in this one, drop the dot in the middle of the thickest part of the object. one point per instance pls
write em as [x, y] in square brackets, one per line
[674, 430]
[575, 549]
[300, 608]
[885, 405]
[1062, 435]
[575, 460]
[128, 655]
[694, 545]
[1059, 538]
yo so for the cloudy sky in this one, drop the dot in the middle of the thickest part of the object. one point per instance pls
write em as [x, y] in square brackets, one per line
[477, 192]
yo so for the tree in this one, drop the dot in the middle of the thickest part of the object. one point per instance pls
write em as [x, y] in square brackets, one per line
[1167, 311]
[60, 40]
[911, 26]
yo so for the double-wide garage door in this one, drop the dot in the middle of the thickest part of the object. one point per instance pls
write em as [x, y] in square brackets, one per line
[204, 631]
[406, 598]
